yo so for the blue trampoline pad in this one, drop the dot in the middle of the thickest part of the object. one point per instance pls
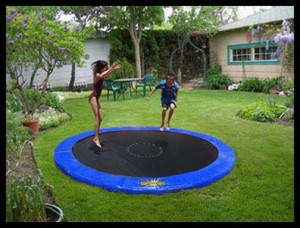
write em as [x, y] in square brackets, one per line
[144, 160]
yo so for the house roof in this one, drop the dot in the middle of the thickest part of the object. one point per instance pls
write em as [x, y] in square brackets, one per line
[278, 13]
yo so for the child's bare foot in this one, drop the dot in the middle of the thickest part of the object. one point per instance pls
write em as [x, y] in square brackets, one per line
[168, 126]
[161, 127]
[96, 141]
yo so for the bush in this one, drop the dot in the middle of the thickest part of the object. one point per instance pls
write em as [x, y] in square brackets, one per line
[16, 133]
[14, 102]
[288, 89]
[25, 200]
[288, 117]
[261, 111]
[126, 71]
[273, 83]
[216, 69]
[252, 85]
[217, 81]
[52, 100]
[51, 118]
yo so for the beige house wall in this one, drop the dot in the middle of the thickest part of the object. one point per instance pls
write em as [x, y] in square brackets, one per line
[218, 53]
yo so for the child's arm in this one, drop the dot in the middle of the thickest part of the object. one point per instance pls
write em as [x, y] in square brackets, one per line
[106, 73]
[150, 94]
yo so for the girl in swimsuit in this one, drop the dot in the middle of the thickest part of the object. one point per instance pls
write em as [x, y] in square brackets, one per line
[100, 71]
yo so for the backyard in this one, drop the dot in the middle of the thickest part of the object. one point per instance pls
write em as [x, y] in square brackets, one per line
[252, 113]
[260, 187]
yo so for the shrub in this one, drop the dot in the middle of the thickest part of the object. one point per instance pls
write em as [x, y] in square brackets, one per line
[261, 111]
[215, 69]
[273, 83]
[251, 85]
[51, 118]
[288, 117]
[52, 100]
[126, 71]
[25, 201]
[217, 81]
[16, 133]
[14, 102]
[288, 89]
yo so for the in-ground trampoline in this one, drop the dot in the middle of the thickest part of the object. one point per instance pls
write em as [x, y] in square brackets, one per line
[144, 160]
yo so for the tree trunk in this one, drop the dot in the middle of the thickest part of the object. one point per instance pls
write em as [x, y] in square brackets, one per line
[72, 80]
[136, 35]
[179, 79]
[32, 76]
[137, 59]
[142, 63]
[181, 60]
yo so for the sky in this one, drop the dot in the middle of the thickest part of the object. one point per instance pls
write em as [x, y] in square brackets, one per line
[244, 11]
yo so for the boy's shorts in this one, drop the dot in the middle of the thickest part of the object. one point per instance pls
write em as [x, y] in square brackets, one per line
[167, 102]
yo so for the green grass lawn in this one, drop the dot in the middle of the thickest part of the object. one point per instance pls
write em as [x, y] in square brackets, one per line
[260, 188]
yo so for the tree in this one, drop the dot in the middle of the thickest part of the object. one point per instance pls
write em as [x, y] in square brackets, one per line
[204, 19]
[227, 14]
[49, 12]
[282, 34]
[31, 39]
[89, 20]
[135, 19]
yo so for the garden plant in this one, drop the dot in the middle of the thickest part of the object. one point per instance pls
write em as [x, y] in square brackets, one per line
[33, 41]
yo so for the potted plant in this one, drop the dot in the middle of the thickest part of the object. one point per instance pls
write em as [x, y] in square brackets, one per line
[25, 202]
[30, 100]
[25, 194]
[33, 126]
[28, 197]
[25, 100]
[273, 85]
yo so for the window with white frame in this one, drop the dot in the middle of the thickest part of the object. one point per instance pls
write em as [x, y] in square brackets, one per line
[241, 54]
[262, 53]
[254, 53]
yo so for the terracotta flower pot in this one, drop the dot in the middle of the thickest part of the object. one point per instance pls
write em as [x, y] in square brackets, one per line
[33, 126]
[272, 91]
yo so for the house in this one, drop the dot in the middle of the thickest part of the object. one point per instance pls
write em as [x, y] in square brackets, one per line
[97, 48]
[242, 56]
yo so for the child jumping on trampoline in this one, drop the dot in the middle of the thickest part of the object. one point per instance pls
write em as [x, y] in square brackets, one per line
[169, 91]
[100, 71]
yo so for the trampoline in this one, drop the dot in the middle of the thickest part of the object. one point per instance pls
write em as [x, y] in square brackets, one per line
[144, 160]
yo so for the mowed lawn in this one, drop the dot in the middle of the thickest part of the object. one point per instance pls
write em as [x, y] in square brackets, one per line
[260, 187]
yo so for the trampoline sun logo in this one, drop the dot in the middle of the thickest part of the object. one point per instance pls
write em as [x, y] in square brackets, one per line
[152, 183]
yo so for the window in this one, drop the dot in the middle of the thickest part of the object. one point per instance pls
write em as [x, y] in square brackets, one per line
[242, 54]
[252, 54]
[260, 53]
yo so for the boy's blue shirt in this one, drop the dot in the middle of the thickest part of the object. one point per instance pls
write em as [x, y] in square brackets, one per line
[167, 92]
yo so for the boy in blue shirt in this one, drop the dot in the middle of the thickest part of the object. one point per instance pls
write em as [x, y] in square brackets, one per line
[169, 90]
